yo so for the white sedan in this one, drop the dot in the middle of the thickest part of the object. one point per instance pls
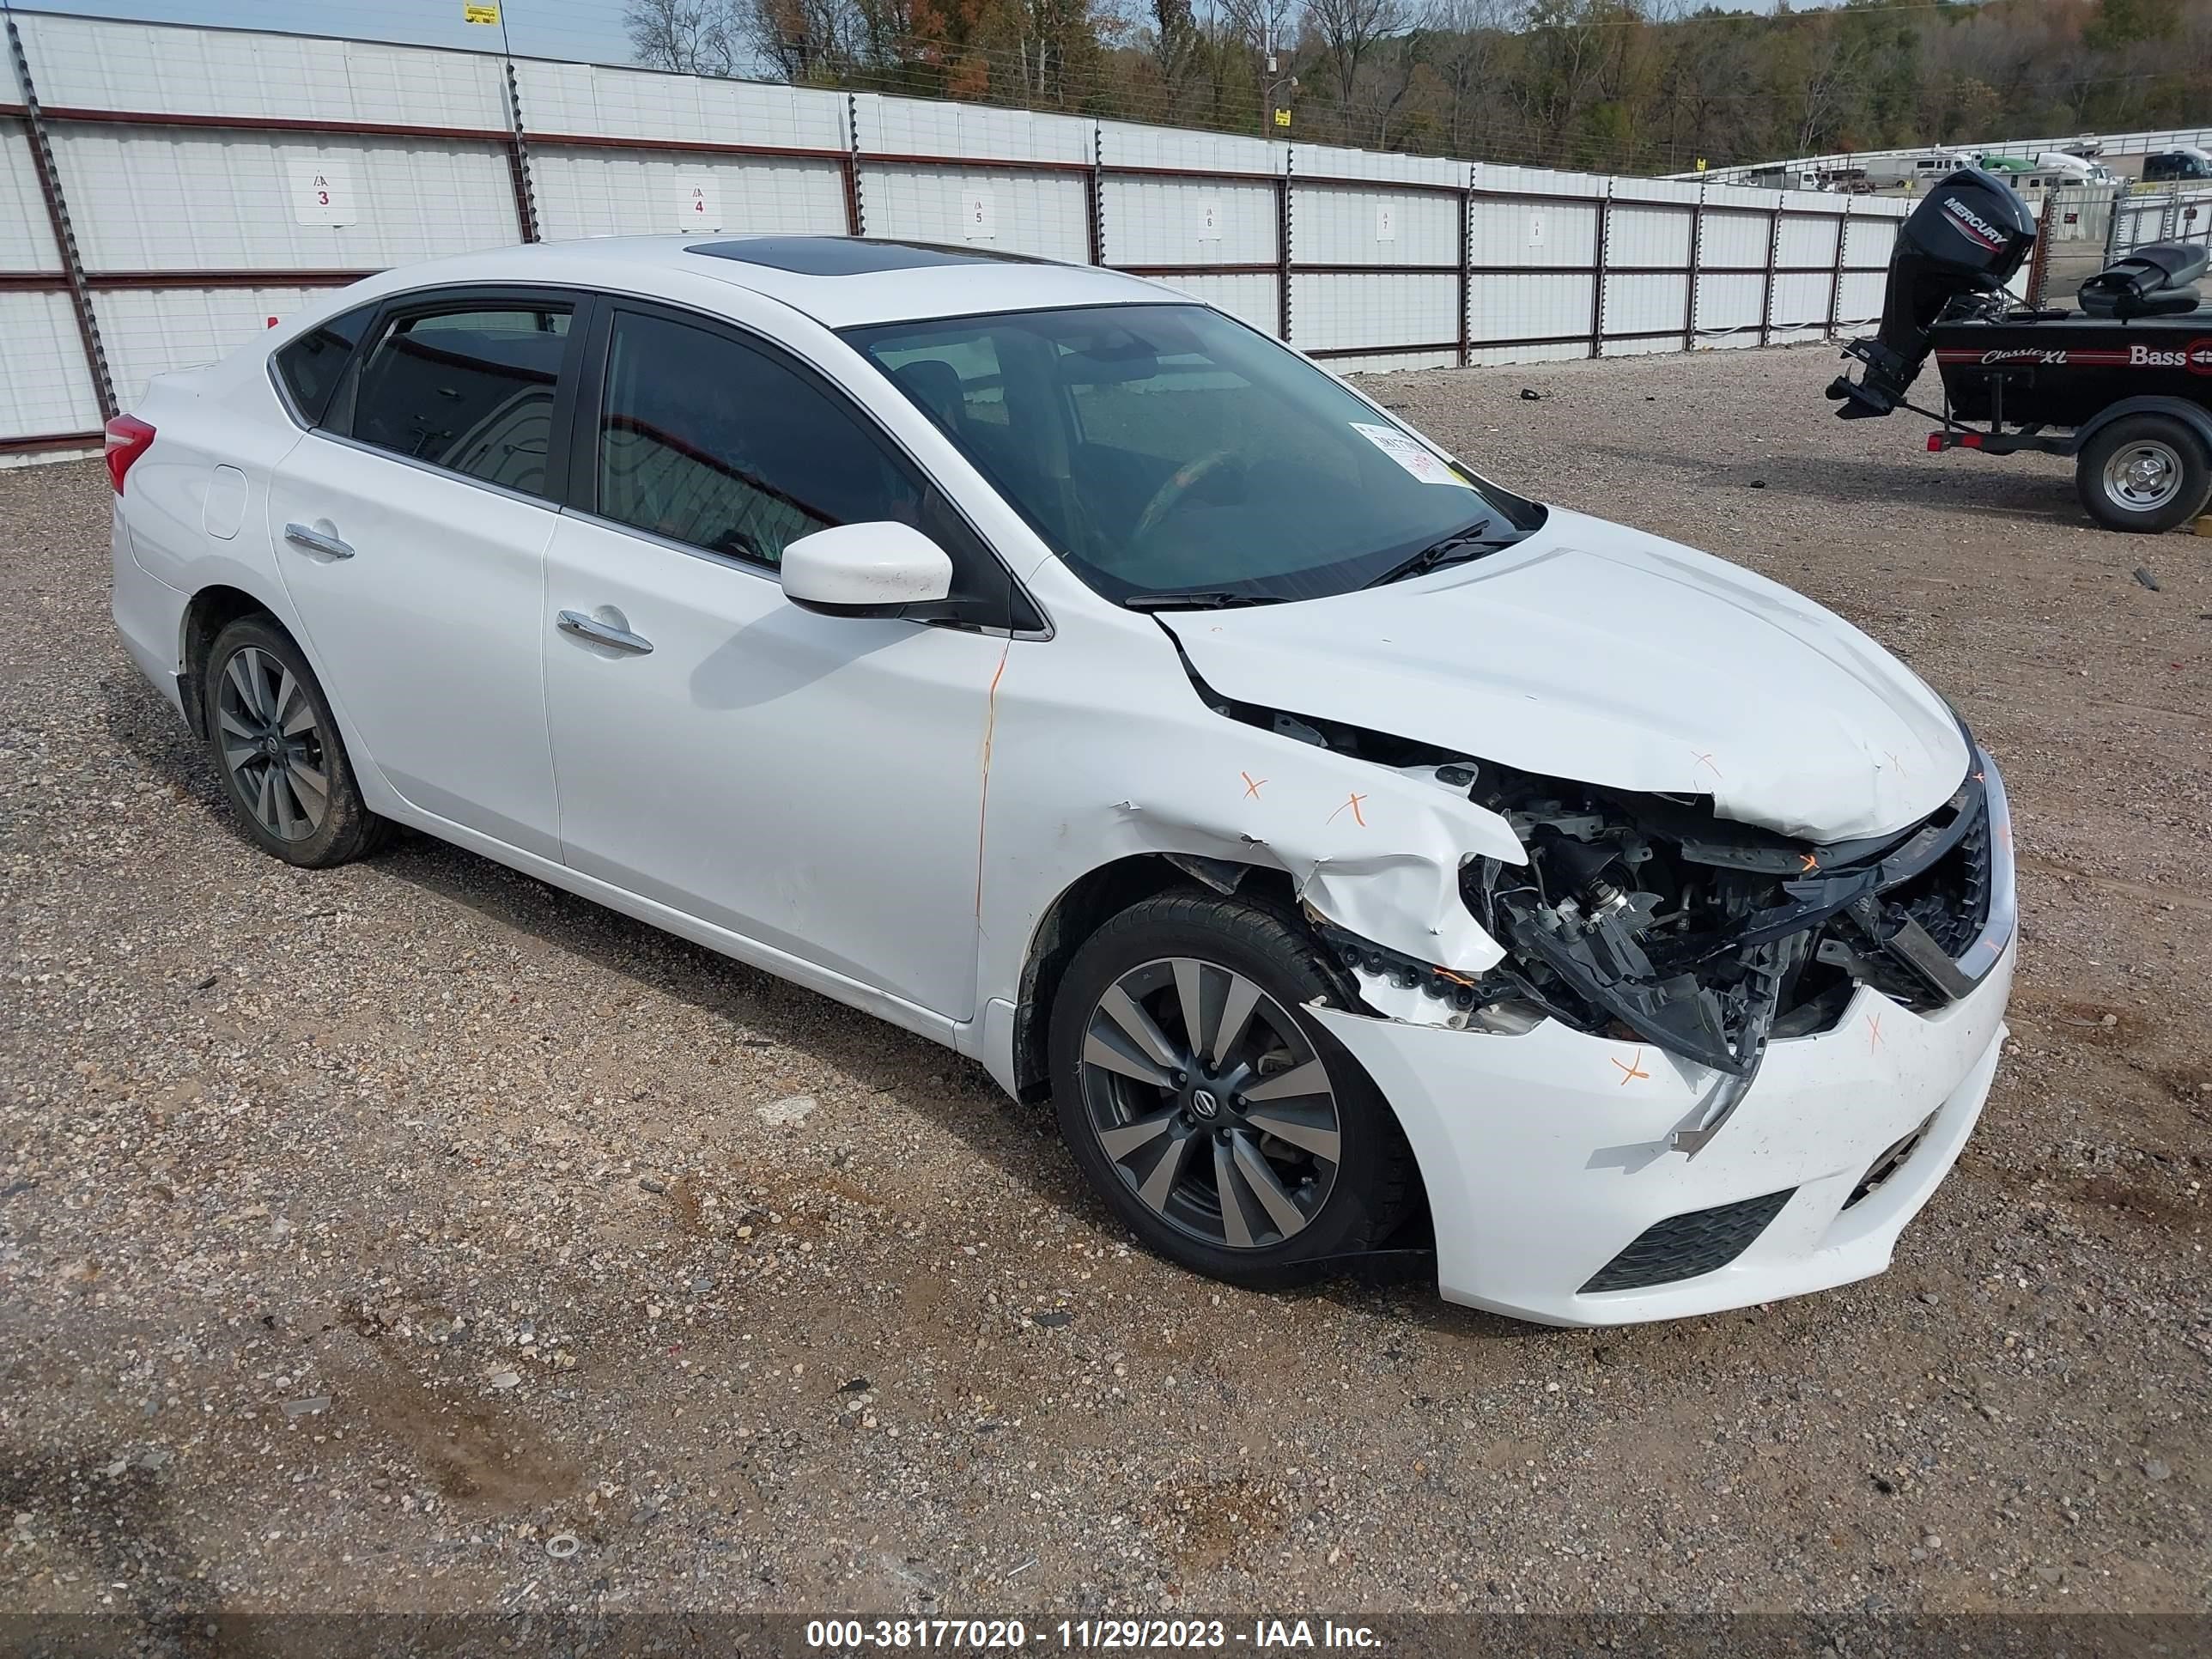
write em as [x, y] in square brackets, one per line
[1357, 855]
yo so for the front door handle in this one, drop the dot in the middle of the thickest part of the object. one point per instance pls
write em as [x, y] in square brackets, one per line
[318, 541]
[600, 633]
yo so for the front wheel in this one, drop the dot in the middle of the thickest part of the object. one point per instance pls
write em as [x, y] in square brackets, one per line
[1222, 1125]
[2146, 473]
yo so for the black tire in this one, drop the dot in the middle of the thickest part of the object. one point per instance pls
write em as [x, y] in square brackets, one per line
[2162, 441]
[252, 656]
[1355, 1204]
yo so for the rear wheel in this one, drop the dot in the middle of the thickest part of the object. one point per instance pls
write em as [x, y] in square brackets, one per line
[1223, 1127]
[284, 766]
[2146, 473]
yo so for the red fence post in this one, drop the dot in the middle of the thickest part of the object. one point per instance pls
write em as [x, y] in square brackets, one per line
[518, 161]
[1836, 288]
[1466, 261]
[1773, 258]
[1600, 239]
[1094, 186]
[1697, 253]
[856, 217]
[50, 187]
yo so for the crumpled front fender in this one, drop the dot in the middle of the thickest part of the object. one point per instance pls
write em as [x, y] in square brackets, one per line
[1074, 784]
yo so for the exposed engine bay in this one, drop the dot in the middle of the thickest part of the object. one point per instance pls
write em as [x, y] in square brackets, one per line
[1648, 918]
[1647, 915]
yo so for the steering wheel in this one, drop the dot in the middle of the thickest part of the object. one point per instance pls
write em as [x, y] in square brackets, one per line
[1180, 483]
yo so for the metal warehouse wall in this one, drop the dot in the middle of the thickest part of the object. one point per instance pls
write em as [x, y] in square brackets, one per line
[165, 192]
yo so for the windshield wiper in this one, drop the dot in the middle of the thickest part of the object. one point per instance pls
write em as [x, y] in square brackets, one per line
[1461, 544]
[1195, 599]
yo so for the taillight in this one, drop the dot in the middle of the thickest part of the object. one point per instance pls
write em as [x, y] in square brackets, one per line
[128, 438]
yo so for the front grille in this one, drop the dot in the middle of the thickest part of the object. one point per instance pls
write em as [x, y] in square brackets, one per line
[1684, 1246]
[1951, 901]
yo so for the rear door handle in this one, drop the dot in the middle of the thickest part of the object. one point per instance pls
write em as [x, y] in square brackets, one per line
[318, 541]
[600, 633]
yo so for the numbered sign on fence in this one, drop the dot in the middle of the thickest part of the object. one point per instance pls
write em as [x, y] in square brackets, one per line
[698, 202]
[1386, 223]
[978, 220]
[323, 194]
[1209, 220]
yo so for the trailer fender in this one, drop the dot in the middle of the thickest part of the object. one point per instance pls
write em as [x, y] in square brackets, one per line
[2194, 416]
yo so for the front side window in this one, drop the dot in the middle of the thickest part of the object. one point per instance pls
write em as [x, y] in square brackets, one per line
[470, 390]
[1166, 449]
[309, 367]
[707, 441]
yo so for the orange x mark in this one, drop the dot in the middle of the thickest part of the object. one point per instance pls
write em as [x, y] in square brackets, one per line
[1357, 816]
[1631, 1069]
[1874, 1032]
[1251, 786]
[1707, 760]
[1808, 861]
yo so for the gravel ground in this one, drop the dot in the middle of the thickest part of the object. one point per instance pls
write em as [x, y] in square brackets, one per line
[414, 1237]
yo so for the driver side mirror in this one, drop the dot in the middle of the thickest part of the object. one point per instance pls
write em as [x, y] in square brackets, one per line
[865, 570]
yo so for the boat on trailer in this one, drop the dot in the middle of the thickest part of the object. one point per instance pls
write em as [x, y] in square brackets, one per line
[2122, 384]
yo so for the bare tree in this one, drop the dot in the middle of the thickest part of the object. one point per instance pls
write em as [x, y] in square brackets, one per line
[1397, 59]
[1467, 36]
[692, 37]
[1176, 44]
[1348, 31]
[803, 40]
[1831, 77]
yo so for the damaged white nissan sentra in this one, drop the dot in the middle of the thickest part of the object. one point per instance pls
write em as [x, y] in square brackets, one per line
[1356, 854]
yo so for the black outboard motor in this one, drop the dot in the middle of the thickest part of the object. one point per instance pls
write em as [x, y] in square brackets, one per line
[2152, 281]
[1970, 236]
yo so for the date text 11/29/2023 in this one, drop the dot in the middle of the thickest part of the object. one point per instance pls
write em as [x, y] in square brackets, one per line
[1259, 1636]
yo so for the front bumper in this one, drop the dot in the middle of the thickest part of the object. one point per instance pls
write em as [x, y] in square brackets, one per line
[1549, 1154]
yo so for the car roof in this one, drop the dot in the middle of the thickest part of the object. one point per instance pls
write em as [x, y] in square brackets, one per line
[841, 282]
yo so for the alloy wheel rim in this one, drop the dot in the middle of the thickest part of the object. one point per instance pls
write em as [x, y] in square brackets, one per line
[2143, 477]
[273, 744]
[1211, 1103]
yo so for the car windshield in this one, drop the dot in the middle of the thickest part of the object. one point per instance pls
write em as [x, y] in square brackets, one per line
[1168, 450]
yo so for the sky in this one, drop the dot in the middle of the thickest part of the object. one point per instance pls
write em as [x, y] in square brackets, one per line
[586, 31]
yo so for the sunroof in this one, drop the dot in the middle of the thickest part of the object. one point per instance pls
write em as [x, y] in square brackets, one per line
[848, 256]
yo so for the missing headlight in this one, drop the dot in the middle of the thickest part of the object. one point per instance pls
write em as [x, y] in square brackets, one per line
[1647, 917]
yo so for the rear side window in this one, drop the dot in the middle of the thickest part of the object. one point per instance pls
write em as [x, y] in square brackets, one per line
[309, 368]
[470, 390]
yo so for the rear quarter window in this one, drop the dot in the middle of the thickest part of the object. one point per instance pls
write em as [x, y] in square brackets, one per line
[308, 368]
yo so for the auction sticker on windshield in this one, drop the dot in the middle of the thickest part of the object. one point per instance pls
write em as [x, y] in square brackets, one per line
[1422, 463]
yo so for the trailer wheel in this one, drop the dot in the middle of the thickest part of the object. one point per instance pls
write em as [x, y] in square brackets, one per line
[2146, 473]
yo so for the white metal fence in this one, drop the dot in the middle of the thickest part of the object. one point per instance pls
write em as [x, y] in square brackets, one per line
[165, 192]
[2178, 215]
[2026, 150]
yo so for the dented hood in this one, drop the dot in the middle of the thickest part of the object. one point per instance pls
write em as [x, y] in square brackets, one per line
[1592, 651]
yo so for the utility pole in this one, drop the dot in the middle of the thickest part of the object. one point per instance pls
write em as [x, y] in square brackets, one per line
[1270, 82]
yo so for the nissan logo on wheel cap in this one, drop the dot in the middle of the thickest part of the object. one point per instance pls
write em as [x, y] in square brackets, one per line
[1203, 1102]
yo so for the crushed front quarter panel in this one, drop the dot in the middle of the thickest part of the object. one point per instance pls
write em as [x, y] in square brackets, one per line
[1072, 784]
